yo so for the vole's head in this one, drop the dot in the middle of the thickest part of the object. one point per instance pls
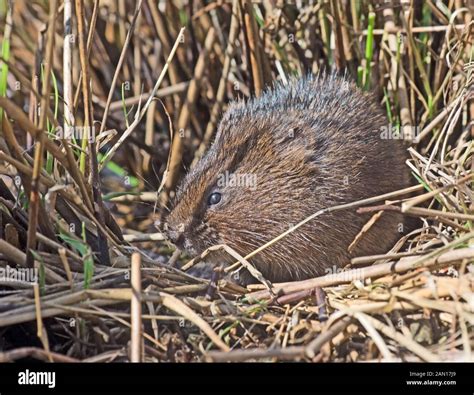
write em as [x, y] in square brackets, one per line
[250, 186]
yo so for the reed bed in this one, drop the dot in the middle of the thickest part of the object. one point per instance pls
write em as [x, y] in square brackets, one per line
[102, 102]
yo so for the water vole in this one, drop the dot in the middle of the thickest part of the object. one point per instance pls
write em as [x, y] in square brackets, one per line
[277, 159]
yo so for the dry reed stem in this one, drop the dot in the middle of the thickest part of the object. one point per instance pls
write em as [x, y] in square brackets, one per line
[176, 153]
[142, 112]
[118, 68]
[136, 310]
[217, 106]
[41, 331]
[375, 271]
[38, 159]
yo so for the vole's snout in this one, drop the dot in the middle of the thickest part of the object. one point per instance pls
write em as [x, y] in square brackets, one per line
[175, 234]
[177, 238]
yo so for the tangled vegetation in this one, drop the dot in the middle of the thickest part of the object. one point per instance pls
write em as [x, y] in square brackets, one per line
[102, 103]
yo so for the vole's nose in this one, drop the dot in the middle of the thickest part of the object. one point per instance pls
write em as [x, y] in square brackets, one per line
[176, 237]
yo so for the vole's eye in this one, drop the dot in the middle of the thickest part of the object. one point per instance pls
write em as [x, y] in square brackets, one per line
[214, 198]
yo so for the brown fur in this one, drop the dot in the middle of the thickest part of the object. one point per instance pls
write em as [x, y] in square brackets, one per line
[310, 145]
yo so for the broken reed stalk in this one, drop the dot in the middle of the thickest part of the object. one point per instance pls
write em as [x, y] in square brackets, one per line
[41, 331]
[136, 309]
